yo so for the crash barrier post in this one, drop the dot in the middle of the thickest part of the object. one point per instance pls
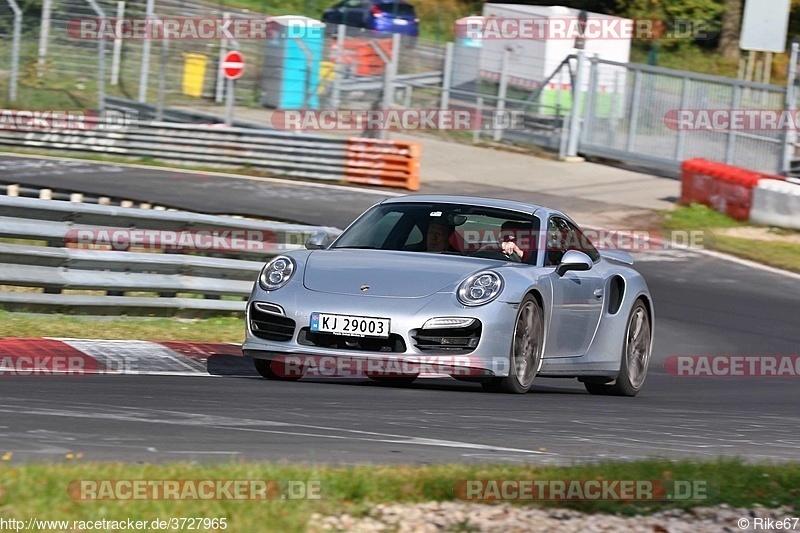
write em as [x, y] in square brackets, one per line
[385, 163]
[725, 188]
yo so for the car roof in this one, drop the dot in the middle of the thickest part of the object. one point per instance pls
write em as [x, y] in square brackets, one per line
[499, 203]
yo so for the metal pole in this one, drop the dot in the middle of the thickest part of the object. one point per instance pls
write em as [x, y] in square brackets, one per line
[341, 37]
[229, 103]
[115, 57]
[162, 79]
[497, 134]
[790, 135]
[612, 116]
[736, 104]
[575, 115]
[768, 68]
[101, 62]
[223, 49]
[591, 97]
[681, 144]
[447, 75]
[636, 99]
[149, 15]
[751, 57]
[12, 87]
[388, 80]
[44, 35]
[476, 133]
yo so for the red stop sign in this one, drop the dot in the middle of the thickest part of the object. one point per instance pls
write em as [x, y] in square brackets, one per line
[233, 65]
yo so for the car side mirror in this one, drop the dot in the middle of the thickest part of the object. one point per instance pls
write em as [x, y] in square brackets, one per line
[574, 260]
[317, 241]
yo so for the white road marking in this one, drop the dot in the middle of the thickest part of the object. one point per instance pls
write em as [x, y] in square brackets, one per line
[228, 424]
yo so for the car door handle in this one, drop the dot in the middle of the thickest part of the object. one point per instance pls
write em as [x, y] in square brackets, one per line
[598, 293]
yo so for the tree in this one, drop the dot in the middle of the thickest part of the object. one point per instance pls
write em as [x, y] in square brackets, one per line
[730, 30]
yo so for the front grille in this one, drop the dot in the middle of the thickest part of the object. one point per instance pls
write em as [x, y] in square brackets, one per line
[269, 325]
[393, 344]
[448, 340]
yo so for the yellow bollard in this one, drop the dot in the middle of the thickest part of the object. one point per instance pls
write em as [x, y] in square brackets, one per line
[194, 73]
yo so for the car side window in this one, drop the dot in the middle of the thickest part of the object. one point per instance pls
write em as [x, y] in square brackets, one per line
[579, 241]
[556, 241]
[563, 236]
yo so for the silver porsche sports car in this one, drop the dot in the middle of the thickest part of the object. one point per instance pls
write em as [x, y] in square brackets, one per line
[485, 290]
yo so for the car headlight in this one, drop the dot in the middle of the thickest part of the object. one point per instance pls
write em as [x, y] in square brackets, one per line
[480, 288]
[276, 273]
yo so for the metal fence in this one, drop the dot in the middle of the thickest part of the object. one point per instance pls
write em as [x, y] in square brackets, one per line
[621, 114]
[637, 117]
[118, 260]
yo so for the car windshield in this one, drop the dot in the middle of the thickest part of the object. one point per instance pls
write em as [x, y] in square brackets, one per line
[397, 8]
[444, 228]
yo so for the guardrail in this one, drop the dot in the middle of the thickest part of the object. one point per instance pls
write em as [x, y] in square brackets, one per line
[279, 152]
[138, 260]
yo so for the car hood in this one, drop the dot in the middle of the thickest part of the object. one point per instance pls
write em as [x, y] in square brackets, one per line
[386, 273]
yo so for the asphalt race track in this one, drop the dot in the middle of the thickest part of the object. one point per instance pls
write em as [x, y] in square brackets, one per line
[704, 306]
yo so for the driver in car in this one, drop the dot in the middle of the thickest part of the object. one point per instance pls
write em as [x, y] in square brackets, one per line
[438, 237]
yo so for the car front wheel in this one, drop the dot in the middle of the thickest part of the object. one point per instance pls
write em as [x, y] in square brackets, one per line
[526, 350]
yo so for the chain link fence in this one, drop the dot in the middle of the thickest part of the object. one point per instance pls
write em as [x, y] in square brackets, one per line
[624, 111]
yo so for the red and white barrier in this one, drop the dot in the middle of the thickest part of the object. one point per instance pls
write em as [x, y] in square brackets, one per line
[726, 188]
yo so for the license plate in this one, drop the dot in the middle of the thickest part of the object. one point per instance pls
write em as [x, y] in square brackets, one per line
[352, 326]
[401, 22]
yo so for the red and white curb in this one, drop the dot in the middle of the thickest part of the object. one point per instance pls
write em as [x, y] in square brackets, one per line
[37, 356]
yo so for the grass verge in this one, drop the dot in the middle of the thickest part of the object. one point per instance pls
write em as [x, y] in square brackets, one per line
[40, 490]
[218, 329]
[771, 250]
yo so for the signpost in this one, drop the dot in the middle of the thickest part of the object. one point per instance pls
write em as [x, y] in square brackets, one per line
[765, 24]
[232, 68]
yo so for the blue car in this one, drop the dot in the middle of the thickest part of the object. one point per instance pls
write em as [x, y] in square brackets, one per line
[380, 16]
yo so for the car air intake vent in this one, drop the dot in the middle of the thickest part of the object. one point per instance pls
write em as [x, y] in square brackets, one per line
[266, 323]
[393, 344]
[448, 340]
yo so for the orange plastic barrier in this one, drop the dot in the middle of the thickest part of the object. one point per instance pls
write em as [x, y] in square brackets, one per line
[362, 55]
[385, 163]
[727, 189]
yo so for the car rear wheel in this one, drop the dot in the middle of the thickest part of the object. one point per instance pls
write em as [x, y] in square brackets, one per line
[526, 350]
[266, 369]
[635, 357]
